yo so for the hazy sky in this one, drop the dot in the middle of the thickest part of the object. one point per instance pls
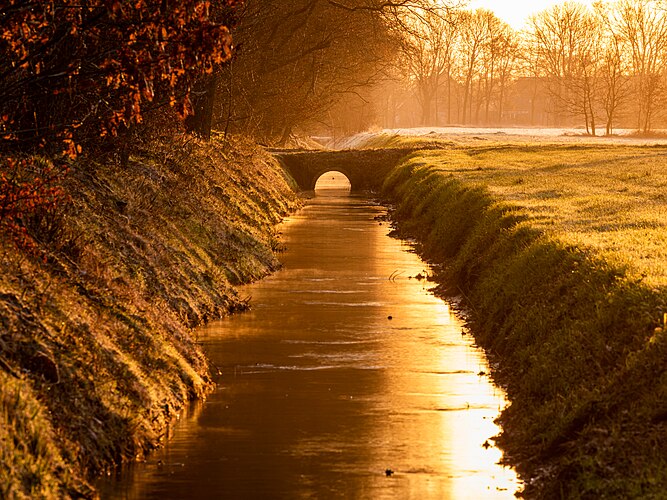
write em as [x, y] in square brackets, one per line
[515, 12]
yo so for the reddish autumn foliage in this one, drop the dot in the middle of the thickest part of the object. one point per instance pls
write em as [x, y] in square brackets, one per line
[29, 194]
[75, 72]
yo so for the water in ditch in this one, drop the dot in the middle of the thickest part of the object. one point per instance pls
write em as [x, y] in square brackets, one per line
[347, 379]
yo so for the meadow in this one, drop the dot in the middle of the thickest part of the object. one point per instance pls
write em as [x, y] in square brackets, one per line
[611, 199]
[608, 196]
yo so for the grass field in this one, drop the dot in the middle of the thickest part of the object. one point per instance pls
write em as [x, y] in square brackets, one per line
[611, 198]
[559, 251]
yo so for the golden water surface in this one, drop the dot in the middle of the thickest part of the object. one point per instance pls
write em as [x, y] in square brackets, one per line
[322, 395]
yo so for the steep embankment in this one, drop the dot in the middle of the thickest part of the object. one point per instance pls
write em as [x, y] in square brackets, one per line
[576, 333]
[96, 351]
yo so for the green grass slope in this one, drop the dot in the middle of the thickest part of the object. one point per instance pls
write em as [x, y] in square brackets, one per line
[574, 327]
[97, 354]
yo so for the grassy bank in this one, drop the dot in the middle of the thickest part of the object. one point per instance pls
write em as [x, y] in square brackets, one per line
[96, 347]
[560, 253]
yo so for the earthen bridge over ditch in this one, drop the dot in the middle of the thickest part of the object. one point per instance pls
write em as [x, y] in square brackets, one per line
[366, 169]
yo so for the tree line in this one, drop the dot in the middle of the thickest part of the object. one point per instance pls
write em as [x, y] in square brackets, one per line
[98, 77]
[596, 67]
[77, 74]
[336, 67]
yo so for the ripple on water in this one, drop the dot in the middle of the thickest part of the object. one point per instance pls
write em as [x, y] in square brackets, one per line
[329, 342]
[266, 367]
[343, 304]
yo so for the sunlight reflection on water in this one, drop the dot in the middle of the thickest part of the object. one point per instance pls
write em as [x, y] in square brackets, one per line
[318, 398]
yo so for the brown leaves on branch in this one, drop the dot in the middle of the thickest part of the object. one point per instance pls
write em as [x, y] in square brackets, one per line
[72, 70]
[30, 192]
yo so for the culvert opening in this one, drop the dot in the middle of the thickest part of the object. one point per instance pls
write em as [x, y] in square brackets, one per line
[332, 182]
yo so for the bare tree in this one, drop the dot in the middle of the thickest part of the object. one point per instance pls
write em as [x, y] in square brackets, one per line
[474, 33]
[428, 50]
[509, 69]
[642, 29]
[565, 39]
[473, 53]
[615, 88]
[295, 59]
[498, 65]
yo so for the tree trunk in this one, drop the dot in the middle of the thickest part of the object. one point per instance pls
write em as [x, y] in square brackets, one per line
[592, 113]
[501, 97]
[435, 118]
[287, 132]
[464, 108]
[449, 99]
[203, 103]
[610, 123]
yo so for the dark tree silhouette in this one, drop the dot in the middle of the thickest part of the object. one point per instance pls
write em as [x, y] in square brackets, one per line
[296, 59]
[72, 71]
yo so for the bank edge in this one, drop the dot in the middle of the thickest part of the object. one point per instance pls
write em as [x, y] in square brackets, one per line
[97, 351]
[573, 338]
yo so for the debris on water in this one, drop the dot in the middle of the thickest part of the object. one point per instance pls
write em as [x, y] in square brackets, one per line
[388, 472]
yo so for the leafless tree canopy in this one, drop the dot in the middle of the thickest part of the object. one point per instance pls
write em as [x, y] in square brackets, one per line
[338, 66]
[570, 66]
[296, 59]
